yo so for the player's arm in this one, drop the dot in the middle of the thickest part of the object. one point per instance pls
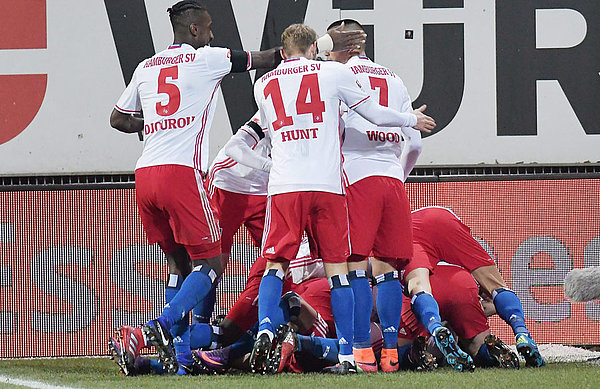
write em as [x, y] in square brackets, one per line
[412, 145]
[121, 117]
[356, 99]
[125, 122]
[387, 117]
[239, 147]
[334, 40]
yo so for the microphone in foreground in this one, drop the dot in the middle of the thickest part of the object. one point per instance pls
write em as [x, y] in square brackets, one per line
[583, 284]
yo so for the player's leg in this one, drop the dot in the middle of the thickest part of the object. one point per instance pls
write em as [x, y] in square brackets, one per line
[244, 312]
[285, 220]
[229, 209]
[509, 308]
[192, 221]
[392, 246]
[329, 232]
[389, 310]
[427, 311]
[363, 307]
[365, 203]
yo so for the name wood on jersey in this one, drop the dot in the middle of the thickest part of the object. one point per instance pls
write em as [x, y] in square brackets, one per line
[291, 135]
[168, 124]
[380, 136]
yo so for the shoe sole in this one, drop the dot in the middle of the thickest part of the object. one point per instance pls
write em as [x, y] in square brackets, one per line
[259, 356]
[210, 367]
[117, 356]
[163, 345]
[451, 352]
[502, 354]
[532, 356]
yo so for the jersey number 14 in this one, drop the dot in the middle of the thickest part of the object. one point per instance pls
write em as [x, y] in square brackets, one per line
[309, 86]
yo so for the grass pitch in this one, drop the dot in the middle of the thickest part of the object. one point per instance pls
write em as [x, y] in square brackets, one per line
[103, 373]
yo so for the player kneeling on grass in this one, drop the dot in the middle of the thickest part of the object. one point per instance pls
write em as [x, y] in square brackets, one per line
[458, 297]
[439, 235]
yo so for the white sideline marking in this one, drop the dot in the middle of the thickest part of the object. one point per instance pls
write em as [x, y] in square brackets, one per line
[30, 384]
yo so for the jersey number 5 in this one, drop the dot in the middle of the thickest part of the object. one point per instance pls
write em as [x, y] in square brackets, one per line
[170, 89]
[309, 86]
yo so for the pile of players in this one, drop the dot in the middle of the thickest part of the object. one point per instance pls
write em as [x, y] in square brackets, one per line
[321, 159]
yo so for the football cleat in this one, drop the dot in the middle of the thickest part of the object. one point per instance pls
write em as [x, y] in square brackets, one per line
[498, 350]
[161, 339]
[259, 359]
[129, 342]
[420, 359]
[364, 358]
[458, 359]
[188, 365]
[389, 360]
[116, 355]
[287, 344]
[342, 368]
[529, 351]
[216, 361]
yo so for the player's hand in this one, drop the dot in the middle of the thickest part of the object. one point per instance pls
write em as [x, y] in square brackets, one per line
[424, 123]
[346, 40]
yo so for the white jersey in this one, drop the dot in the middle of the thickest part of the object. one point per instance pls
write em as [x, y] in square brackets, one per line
[229, 175]
[370, 150]
[299, 102]
[176, 90]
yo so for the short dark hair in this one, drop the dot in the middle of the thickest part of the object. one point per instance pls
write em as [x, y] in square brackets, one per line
[180, 12]
[348, 23]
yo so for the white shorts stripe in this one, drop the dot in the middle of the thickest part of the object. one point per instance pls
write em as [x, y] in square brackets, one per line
[213, 225]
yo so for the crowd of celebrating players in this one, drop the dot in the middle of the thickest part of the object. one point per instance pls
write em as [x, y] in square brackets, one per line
[348, 278]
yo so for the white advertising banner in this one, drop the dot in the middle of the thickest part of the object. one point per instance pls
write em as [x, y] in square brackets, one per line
[507, 81]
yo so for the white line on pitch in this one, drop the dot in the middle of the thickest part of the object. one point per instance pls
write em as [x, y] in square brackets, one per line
[30, 384]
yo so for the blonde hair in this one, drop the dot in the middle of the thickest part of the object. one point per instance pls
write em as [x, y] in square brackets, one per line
[297, 38]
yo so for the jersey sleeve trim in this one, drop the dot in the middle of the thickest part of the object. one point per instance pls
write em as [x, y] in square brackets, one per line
[360, 102]
[125, 110]
[257, 129]
[249, 133]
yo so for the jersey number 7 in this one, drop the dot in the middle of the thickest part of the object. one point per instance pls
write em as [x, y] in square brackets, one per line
[308, 86]
[380, 83]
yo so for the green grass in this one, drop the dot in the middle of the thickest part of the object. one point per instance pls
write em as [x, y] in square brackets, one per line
[103, 373]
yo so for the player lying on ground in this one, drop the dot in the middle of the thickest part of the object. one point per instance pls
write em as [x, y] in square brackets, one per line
[304, 130]
[129, 341]
[309, 310]
[176, 90]
[440, 235]
[458, 297]
[375, 167]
